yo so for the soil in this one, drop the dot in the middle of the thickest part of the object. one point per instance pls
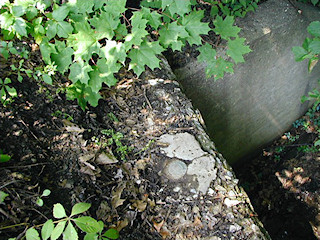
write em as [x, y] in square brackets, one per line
[283, 181]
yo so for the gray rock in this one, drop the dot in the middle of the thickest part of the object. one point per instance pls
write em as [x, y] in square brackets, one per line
[250, 108]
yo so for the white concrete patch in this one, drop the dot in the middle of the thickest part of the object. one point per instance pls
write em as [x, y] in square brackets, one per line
[185, 146]
[204, 169]
[182, 145]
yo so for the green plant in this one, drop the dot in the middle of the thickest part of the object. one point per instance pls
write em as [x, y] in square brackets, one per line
[291, 138]
[39, 200]
[3, 195]
[90, 41]
[116, 138]
[4, 157]
[62, 115]
[6, 92]
[65, 225]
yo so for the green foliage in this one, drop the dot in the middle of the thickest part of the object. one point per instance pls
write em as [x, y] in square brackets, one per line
[90, 41]
[65, 225]
[314, 2]
[6, 92]
[39, 200]
[3, 195]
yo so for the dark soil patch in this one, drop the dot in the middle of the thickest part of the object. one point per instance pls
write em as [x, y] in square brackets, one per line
[283, 181]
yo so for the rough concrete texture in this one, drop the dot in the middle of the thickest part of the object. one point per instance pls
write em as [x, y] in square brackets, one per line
[250, 108]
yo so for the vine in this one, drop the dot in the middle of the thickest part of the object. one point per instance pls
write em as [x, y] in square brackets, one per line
[90, 41]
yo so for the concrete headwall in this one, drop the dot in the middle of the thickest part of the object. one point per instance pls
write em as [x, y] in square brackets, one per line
[259, 102]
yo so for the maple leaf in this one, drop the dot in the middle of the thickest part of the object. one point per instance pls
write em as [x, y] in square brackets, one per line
[79, 72]
[104, 25]
[236, 49]
[114, 51]
[63, 59]
[216, 66]
[84, 42]
[103, 73]
[225, 27]
[154, 18]
[169, 35]
[115, 6]
[145, 55]
[176, 6]
[46, 49]
[195, 27]
[138, 31]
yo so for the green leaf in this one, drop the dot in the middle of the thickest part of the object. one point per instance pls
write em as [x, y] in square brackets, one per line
[57, 231]
[138, 31]
[46, 193]
[82, 6]
[79, 208]
[76, 91]
[60, 13]
[87, 224]
[314, 2]
[20, 26]
[70, 233]
[314, 46]
[170, 34]
[32, 234]
[299, 53]
[39, 202]
[225, 27]
[64, 29]
[84, 42]
[145, 55]
[79, 72]
[312, 63]
[63, 59]
[47, 79]
[58, 211]
[12, 91]
[105, 30]
[4, 158]
[111, 234]
[216, 66]
[47, 229]
[236, 49]
[92, 97]
[116, 7]
[317, 143]
[177, 6]
[18, 11]
[195, 27]
[91, 236]
[3, 195]
[46, 50]
[154, 18]
[114, 52]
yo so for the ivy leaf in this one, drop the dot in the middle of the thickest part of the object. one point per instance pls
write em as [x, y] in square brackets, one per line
[169, 35]
[106, 29]
[236, 49]
[216, 66]
[138, 31]
[18, 11]
[84, 42]
[225, 27]
[176, 6]
[195, 27]
[82, 6]
[154, 18]
[145, 55]
[63, 59]
[79, 72]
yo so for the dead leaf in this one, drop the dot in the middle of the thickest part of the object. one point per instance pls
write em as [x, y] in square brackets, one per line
[197, 222]
[157, 225]
[122, 224]
[106, 158]
[164, 232]
[116, 200]
[141, 205]
[86, 157]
